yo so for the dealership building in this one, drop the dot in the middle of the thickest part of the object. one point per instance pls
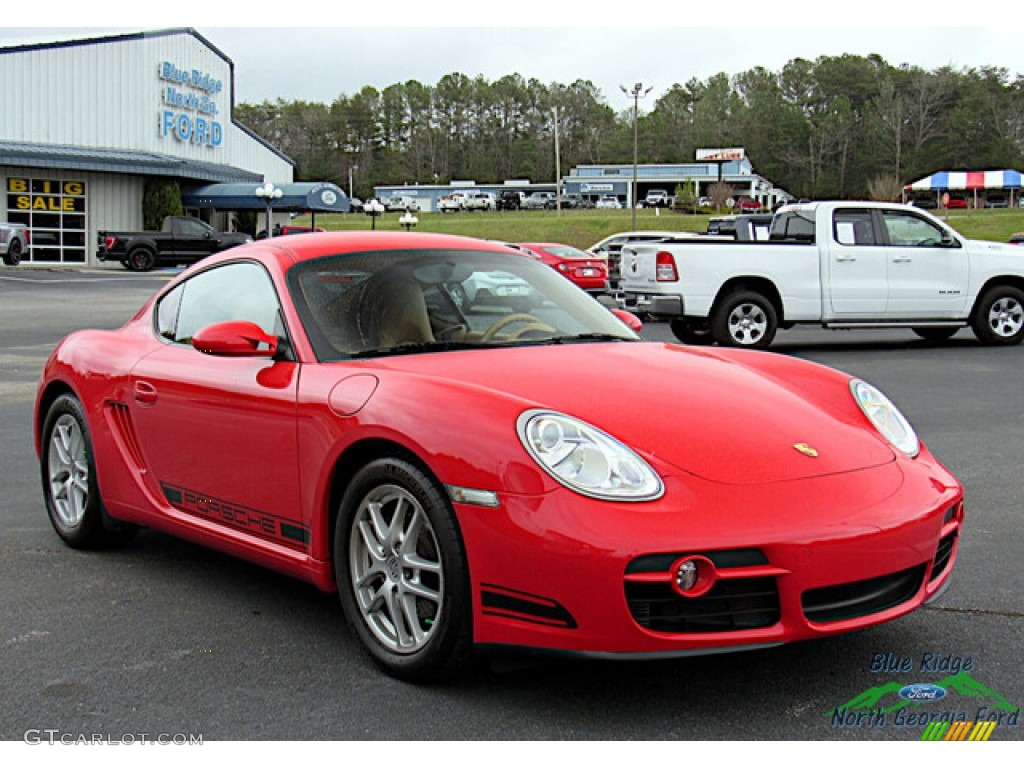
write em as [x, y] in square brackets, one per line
[88, 122]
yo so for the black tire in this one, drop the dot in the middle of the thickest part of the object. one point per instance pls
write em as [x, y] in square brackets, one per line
[998, 318]
[383, 573]
[687, 333]
[745, 319]
[70, 489]
[13, 256]
[141, 260]
[936, 334]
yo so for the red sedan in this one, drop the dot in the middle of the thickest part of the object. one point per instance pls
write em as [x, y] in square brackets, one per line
[324, 406]
[588, 271]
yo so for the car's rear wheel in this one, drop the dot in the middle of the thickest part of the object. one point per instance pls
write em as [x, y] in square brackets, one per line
[13, 256]
[745, 319]
[401, 572]
[141, 260]
[72, 495]
[999, 316]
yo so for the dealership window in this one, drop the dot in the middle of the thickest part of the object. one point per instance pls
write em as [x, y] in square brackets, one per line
[54, 210]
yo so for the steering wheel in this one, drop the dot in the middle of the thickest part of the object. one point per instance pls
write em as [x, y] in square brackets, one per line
[532, 324]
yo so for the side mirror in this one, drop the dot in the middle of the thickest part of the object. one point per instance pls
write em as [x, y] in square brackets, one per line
[948, 240]
[631, 321]
[235, 338]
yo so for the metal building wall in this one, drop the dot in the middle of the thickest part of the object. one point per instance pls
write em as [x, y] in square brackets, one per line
[109, 94]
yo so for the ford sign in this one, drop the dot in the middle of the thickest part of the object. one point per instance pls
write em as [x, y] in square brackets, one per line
[922, 692]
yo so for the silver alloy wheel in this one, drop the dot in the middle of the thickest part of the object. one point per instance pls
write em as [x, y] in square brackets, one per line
[1006, 317]
[395, 567]
[69, 470]
[747, 323]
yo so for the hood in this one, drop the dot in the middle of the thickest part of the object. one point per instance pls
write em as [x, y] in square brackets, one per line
[715, 415]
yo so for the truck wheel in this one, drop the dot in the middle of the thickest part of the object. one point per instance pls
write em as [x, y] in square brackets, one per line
[13, 256]
[745, 319]
[141, 260]
[999, 316]
[688, 333]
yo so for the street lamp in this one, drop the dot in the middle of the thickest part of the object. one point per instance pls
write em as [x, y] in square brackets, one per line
[269, 193]
[373, 209]
[637, 93]
[408, 221]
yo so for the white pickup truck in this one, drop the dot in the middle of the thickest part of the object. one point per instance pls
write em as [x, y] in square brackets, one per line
[835, 264]
[13, 242]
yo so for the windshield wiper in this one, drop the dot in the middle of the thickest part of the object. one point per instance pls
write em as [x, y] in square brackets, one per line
[424, 346]
[585, 337]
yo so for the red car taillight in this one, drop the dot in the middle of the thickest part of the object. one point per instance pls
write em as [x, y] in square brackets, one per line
[108, 242]
[665, 268]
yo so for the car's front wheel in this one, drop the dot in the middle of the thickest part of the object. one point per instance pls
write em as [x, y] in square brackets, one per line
[401, 572]
[999, 316]
[72, 495]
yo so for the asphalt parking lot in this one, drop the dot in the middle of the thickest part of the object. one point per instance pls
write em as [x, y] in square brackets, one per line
[163, 637]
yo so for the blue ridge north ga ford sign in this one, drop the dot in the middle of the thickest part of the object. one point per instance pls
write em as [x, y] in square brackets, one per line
[190, 108]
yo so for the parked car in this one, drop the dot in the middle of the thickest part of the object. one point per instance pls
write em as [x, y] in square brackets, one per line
[658, 198]
[608, 201]
[462, 478]
[510, 200]
[746, 204]
[452, 203]
[14, 241]
[926, 203]
[996, 200]
[538, 200]
[588, 271]
[182, 240]
[401, 203]
[566, 202]
[355, 205]
[956, 202]
[481, 201]
[609, 249]
[1017, 238]
[821, 267]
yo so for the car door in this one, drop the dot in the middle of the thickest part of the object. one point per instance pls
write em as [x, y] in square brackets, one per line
[857, 261]
[192, 239]
[928, 269]
[218, 433]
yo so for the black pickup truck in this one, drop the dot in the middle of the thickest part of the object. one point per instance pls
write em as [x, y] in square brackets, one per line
[183, 239]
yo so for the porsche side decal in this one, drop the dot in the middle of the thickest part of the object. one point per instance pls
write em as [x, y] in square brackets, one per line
[252, 521]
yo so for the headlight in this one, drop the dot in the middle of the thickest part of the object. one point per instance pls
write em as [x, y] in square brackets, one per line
[886, 417]
[585, 459]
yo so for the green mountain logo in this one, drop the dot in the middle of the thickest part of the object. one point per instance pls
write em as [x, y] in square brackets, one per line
[886, 698]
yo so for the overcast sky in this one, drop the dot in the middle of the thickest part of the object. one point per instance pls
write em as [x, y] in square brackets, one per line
[315, 50]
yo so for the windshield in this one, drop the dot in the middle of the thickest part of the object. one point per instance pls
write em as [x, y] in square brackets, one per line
[401, 302]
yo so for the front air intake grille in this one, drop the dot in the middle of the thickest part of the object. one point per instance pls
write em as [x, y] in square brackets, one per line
[862, 598]
[731, 605]
[943, 555]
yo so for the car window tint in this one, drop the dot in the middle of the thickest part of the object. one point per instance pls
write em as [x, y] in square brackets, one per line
[241, 291]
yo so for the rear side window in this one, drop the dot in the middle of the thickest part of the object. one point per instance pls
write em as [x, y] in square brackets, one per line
[852, 227]
[794, 226]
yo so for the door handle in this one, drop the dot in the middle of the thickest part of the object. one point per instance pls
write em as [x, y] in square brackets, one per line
[145, 393]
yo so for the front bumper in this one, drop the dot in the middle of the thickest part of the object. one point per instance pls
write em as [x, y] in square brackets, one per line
[791, 561]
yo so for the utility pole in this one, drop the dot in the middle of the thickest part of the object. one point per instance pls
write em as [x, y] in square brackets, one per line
[637, 93]
[558, 168]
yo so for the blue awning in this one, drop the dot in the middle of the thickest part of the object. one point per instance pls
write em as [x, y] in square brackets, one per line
[321, 196]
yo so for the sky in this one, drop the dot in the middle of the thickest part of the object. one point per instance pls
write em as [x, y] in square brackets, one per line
[323, 49]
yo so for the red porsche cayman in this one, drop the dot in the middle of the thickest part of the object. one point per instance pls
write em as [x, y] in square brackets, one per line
[323, 405]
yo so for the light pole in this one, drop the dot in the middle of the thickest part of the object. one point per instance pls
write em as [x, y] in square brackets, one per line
[637, 93]
[408, 221]
[269, 193]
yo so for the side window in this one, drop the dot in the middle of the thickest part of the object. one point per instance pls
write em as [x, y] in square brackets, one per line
[240, 291]
[905, 230]
[853, 228]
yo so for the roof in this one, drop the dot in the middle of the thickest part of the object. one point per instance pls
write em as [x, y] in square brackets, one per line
[1006, 179]
[129, 161]
[298, 196]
